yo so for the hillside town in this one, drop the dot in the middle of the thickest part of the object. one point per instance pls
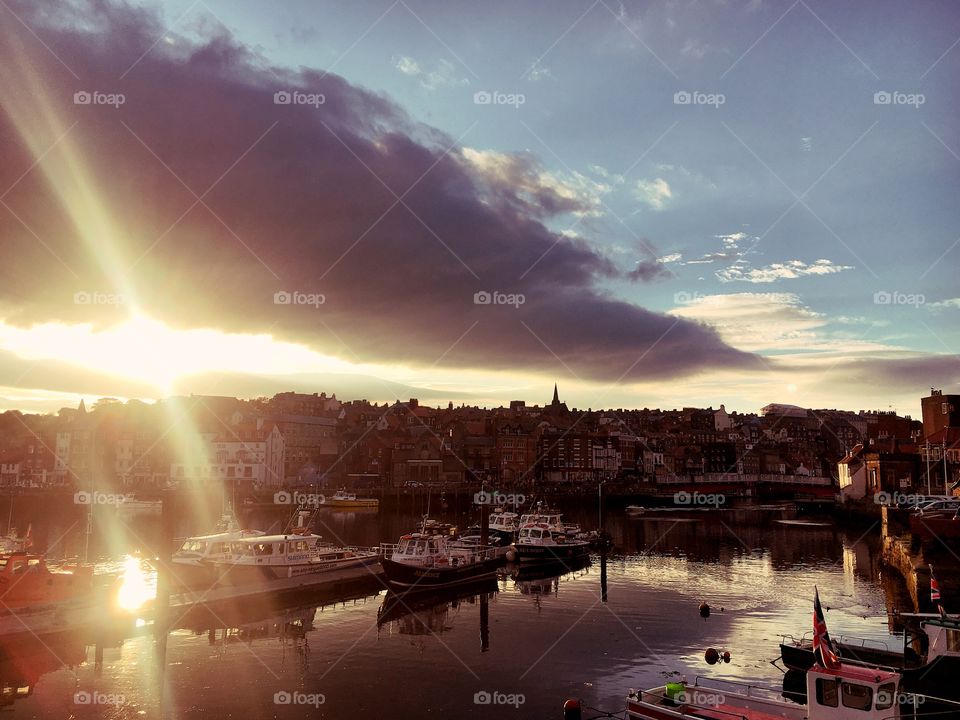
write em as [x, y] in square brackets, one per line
[296, 440]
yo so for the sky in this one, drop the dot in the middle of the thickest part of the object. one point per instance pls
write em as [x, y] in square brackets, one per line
[651, 204]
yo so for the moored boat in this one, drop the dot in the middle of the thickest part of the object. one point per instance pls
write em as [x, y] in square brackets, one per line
[422, 560]
[834, 691]
[348, 500]
[192, 563]
[538, 541]
[38, 599]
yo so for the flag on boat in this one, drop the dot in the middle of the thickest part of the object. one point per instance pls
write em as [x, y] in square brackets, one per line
[823, 653]
[934, 587]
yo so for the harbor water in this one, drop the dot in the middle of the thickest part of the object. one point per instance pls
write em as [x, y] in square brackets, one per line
[515, 647]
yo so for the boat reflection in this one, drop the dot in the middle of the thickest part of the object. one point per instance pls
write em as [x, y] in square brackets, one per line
[26, 659]
[544, 578]
[429, 613]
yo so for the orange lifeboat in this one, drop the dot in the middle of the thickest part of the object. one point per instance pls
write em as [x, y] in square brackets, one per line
[26, 580]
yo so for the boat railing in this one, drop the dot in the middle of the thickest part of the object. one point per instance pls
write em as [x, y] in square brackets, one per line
[689, 709]
[757, 692]
[387, 550]
[849, 640]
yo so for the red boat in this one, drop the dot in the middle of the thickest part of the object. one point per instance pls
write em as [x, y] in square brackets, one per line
[36, 598]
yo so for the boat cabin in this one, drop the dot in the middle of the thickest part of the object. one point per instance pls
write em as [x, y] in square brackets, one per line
[943, 637]
[274, 549]
[537, 534]
[852, 692]
[503, 521]
[843, 693]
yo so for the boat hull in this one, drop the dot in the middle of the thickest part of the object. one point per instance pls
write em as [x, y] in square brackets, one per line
[552, 553]
[412, 576]
[227, 574]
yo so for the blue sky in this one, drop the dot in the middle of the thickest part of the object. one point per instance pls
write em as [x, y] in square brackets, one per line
[783, 173]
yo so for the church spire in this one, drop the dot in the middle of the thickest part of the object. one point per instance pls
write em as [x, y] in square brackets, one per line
[556, 396]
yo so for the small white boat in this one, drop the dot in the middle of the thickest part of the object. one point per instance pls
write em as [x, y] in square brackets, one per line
[635, 510]
[344, 499]
[131, 505]
[539, 541]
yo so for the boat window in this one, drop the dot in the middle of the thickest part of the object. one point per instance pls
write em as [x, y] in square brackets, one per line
[857, 697]
[953, 640]
[826, 693]
[263, 549]
[886, 694]
[19, 566]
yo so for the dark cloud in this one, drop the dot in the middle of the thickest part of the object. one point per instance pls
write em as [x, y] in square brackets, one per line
[294, 198]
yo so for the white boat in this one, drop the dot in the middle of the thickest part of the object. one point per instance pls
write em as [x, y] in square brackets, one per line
[133, 506]
[193, 561]
[539, 541]
[430, 560]
[297, 554]
[635, 510]
[344, 499]
[265, 559]
[832, 694]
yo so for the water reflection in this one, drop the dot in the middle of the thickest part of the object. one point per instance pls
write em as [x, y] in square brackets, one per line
[542, 631]
[425, 613]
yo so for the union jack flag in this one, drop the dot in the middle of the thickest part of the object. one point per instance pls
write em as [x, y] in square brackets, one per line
[934, 587]
[823, 653]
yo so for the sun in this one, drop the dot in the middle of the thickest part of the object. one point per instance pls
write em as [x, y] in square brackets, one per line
[144, 349]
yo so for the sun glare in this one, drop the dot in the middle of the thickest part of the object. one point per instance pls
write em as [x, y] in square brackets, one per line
[149, 351]
[135, 588]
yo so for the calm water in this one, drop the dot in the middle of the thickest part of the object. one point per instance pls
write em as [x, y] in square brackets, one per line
[535, 640]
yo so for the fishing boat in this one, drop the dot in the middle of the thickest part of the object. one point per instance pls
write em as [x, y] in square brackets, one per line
[348, 500]
[834, 691]
[502, 525]
[839, 693]
[539, 541]
[931, 672]
[424, 560]
[37, 599]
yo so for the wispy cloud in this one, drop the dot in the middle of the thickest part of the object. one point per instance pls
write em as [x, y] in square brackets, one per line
[654, 193]
[789, 270]
[443, 74]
